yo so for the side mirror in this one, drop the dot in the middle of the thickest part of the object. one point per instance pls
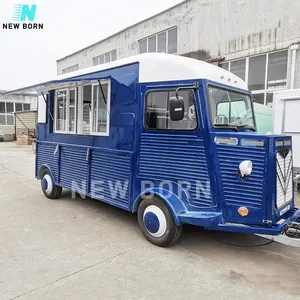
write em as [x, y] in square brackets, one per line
[176, 108]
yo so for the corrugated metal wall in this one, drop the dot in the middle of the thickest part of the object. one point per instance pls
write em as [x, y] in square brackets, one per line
[25, 119]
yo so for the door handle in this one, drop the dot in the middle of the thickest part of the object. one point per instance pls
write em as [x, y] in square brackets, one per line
[56, 150]
[87, 154]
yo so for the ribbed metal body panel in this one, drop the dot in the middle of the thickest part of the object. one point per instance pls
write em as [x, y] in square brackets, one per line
[177, 158]
[250, 191]
[104, 175]
[45, 156]
[110, 172]
[284, 179]
[73, 167]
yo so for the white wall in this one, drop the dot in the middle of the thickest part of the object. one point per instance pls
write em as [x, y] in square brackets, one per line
[226, 28]
[20, 98]
[286, 107]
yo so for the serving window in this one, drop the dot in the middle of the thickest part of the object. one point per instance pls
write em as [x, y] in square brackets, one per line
[83, 110]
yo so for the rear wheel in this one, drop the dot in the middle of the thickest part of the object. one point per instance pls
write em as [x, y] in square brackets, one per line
[49, 189]
[157, 223]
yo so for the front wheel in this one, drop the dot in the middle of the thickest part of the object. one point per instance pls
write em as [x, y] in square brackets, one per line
[49, 189]
[157, 223]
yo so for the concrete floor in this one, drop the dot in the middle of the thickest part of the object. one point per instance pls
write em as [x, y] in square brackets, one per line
[84, 249]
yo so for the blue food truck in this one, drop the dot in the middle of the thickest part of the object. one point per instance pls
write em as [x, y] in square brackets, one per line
[170, 138]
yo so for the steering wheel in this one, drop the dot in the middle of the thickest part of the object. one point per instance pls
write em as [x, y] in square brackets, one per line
[224, 118]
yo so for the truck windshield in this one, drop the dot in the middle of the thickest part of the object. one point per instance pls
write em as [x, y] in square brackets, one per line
[230, 109]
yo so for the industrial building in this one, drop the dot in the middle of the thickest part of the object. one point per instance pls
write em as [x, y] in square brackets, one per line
[11, 104]
[256, 40]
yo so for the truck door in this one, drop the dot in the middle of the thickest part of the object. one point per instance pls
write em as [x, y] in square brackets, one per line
[174, 151]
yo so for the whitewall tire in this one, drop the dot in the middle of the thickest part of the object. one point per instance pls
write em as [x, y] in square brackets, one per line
[157, 223]
[49, 188]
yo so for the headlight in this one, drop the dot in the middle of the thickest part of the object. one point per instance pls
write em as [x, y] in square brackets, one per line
[245, 168]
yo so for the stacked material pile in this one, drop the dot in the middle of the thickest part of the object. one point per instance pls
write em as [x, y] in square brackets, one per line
[24, 140]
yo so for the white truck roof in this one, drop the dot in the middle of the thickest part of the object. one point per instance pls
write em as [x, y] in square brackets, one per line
[153, 67]
[167, 67]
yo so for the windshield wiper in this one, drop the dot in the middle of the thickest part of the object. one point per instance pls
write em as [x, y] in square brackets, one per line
[226, 126]
[247, 127]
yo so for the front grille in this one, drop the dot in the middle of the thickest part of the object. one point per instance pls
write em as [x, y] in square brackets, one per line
[284, 177]
[249, 192]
